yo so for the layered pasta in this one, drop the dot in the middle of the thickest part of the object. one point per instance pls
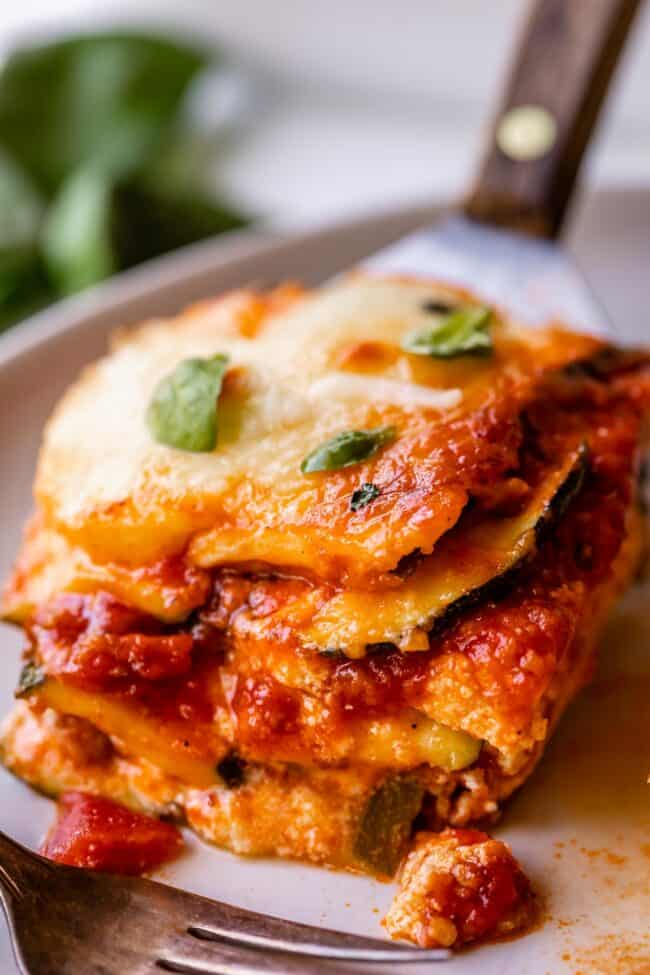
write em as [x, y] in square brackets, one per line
[349, 598]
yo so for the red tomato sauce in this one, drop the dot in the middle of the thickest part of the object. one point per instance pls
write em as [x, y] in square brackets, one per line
[101, 835]
[488, 892]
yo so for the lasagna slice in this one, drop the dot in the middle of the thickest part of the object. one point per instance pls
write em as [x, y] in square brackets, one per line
[309, 571]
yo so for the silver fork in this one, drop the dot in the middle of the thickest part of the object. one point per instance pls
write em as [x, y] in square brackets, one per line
[68, 921]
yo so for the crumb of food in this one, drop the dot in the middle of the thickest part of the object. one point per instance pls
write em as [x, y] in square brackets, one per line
[458, 886]
[101, 835]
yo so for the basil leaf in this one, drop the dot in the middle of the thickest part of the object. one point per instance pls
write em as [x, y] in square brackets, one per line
[152, 216]
[103, 163]
[96, 227]
[21, 210]
[347, 448]
[363, 496]
[23, 294]
[462, 332]
[97, 99]
[31, 676]
[183, 409]
[77, 237]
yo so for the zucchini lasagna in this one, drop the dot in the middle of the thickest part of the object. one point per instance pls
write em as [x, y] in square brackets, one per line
[309, 571]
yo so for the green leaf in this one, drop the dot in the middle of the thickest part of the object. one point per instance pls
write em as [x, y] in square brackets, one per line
[103, 100]
[363, 496]
[153, 218]
[461, 332]
[183, 409]
[31, 676]
[77, 236]
[94, 124]
[23, 295]
[96, 227]
[21, 210]
[347, 448]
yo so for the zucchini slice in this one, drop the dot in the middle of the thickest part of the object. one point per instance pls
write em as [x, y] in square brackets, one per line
[163, 744]
[468, 559]
[386, 824]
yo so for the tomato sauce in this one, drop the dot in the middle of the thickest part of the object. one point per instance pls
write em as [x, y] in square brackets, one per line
[495, 890]
[479, 895]
[101, 835]
[94, 640]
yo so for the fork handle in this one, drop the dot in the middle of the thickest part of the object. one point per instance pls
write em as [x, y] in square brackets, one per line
[551, 103]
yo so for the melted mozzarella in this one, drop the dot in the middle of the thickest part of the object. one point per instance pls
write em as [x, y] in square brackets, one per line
[407, 395]
[322, 364]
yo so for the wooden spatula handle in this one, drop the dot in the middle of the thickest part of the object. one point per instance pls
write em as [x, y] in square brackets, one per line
[552, 99]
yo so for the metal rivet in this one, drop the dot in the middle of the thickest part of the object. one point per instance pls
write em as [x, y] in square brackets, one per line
[527, 132]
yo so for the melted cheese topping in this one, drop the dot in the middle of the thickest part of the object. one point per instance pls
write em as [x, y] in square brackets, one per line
[299, 375]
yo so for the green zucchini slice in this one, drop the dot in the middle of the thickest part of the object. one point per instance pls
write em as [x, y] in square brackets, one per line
[386, 824]
[474, 555]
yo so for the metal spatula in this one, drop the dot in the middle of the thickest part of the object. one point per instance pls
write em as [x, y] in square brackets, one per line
[501, 243]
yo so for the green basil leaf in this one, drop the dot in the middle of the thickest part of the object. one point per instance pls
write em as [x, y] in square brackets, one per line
[77, 241]
[363, 496]
[22, 278]
[183, 409]
[98, 99]
[96, 126]
[153, 216]
[31, 676]
[21, 210]
[347, 448]
[96, 227]
[23, 294]
[462, 332]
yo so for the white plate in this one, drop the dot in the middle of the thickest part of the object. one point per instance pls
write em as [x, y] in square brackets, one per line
[581, 827]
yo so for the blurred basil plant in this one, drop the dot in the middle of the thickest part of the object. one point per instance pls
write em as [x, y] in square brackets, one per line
[100, 168]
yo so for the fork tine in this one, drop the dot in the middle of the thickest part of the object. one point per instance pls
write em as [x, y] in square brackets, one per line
[354, 951]
[204, 958]
[215, 968]
[217, 921]
[224, 967]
